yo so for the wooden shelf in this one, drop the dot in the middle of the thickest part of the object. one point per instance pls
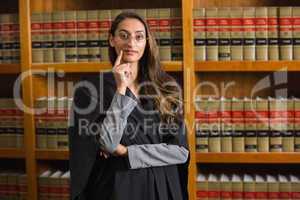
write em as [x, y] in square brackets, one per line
[52, 154]
[246, 66]
[10, 68]
[11, 153]
[170, 66]
[248, 157]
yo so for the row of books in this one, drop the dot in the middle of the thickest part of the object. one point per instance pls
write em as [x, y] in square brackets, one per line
[82, 36]
[248, 33]
[51, 122]
[247, 186]
[236, 114]
[11, 124]
[9, 38]
[249, 141]
[13, 185]
[54, 185]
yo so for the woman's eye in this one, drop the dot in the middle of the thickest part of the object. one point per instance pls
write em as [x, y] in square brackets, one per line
[139, 37]
[123, 36]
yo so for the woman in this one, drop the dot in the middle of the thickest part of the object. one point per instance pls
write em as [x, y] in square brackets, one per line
[127, 135]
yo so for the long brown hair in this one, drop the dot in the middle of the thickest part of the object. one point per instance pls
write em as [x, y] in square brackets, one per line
[168, 102]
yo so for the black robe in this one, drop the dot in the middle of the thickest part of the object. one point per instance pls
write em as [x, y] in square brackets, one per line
[94, 177]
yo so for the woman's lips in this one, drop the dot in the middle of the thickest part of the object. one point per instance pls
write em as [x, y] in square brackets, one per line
[130, 52]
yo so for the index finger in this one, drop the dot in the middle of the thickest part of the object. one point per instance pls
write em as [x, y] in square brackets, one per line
[119, 58]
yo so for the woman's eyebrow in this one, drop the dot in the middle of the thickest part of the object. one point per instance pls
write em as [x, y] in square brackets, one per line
[138, 31]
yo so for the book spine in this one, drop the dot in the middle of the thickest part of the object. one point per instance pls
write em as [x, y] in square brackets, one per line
[273, 41]
[238, 125]
[286, 33]
[199, 34]
[236, 33]
[214, 140]
[36, 37]
[261, 33]
[47, 43]
[153, 22]
[275, 126]
[226, 125]
[105, 22]
[224, 33]
[59, 36]
[212, 33]
[82, 36]
[176, 34]
[93, 36]
[7, 38]
[165, 34]
[70, 36]
[296, 33]
[1, 39]
[249, 33]
[16, 39]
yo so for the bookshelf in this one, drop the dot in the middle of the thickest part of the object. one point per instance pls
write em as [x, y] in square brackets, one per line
[190, 71]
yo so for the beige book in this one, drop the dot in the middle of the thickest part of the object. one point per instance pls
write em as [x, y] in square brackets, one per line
[153, 22]
[142, 13]
[202, 187]
[295, 187]
[237, 187]
[16, 39]
[276, 108]
[71, 36]
[225, 187]
[62, 123]
[287, 124]
[236, 34]
[261, 33]
[19, 124]
[82, 36]
[115, 13]
[201, 138]
[213, 187]
[224, 33]
[250, 114]
[262, 124]
[7, 21]
[43, 185]
[176, 34]
[47, 39]
[12, 184]
[226, 125]
[165, 34]
[65, 186]
[59, 36]
[296, 33]
[249, 33]
[238, 137]
[201, 114]
[212, 33]
[105, 19]
[54, 185]
[36, 37]
[93, 35]
[23, 186]
[40, 122]
[199, 34]
[261, 187]
[214, 140]
[273, 187]
[286, 33]
[249, 187]
[285, 187]
[51, 124]
[273, 33]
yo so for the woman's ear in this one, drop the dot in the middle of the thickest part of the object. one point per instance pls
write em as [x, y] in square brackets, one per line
[111, 40]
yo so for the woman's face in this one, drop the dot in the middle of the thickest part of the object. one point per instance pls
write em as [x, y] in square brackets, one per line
[130, 36]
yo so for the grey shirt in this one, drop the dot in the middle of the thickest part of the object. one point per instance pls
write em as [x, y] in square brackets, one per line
[140, 156]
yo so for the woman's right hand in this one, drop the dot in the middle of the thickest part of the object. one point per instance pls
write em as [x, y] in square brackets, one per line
[122, 73]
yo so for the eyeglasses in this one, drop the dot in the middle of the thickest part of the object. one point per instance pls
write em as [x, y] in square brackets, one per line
[139, 37]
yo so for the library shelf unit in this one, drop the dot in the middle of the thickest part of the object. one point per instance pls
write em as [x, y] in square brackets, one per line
[192, 73]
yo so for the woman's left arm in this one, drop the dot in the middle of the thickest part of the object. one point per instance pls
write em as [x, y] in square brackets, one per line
[172, 151]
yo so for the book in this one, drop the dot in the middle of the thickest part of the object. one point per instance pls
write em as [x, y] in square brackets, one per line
[213, 186]
[296, 33]
[261, 187]
[273, 187]
[153, 22]
[199, 34]
[165, 34]
[249, 187]
[286, 33]
[249, 33]
[15, 34]
[212, 33]
[58, 36]
[213, 110]
[236, 34]
[70, 36]
[276, 109]
[295, 187]
[82, 36]
[65, 186]
[225, 187]
[105, 23]
[202, 187]
[176, 34]
[262, 124]
[36, 37]
[51, 124]
[47, 38]
[224, 33]
[284, 187]
[40, 122]
[54, 191]
[93, 35]
[237, 187]
[261, 33]
[7, 43]
[43, 185]
[273, 33]
[226, 124]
